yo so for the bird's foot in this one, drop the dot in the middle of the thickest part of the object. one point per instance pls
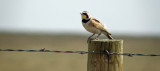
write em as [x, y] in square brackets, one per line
[89, 40]
[96, 38]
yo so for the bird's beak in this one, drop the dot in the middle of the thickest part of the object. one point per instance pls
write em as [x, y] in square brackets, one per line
[81, 13]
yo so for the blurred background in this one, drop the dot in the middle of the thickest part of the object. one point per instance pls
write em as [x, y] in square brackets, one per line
[56, 25]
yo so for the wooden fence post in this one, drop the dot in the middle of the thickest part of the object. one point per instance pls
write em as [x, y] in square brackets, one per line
[101, 61]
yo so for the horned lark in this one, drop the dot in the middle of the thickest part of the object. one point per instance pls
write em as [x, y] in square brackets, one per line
[94, 26]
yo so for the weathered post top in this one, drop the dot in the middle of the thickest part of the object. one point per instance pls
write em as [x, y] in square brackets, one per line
[104, 62]
[106, 40]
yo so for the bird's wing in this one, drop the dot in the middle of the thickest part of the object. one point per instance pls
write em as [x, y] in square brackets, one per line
[97, 24]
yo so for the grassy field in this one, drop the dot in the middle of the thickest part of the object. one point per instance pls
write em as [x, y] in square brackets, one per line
[29, 61]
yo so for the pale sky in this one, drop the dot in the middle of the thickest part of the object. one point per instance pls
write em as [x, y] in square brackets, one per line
[120, 16]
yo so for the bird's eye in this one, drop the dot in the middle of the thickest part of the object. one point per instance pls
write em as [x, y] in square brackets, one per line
[84, 13]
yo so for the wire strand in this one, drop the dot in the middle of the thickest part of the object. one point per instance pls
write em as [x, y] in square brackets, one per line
[79, 52]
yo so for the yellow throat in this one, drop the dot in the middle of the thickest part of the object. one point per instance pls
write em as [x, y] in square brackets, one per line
[84, 17]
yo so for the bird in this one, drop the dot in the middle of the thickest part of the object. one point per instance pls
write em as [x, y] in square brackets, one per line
[94, 26]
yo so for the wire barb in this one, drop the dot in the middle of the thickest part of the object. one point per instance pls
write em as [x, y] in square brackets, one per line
[107, 52]
[80, 52]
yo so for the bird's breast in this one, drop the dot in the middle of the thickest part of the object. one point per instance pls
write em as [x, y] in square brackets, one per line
[91, 28]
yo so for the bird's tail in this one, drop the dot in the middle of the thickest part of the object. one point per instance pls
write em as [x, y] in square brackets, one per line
[108, 35]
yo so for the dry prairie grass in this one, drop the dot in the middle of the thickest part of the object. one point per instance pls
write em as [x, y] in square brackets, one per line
[24, 61]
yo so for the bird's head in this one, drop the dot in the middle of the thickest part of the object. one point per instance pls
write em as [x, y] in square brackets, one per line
[85, 15]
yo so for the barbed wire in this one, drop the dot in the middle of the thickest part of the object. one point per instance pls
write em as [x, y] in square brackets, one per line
[80, 52]
[44, 50]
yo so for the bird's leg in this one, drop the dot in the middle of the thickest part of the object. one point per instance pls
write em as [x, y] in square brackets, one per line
[98, 36]
[90, 37]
